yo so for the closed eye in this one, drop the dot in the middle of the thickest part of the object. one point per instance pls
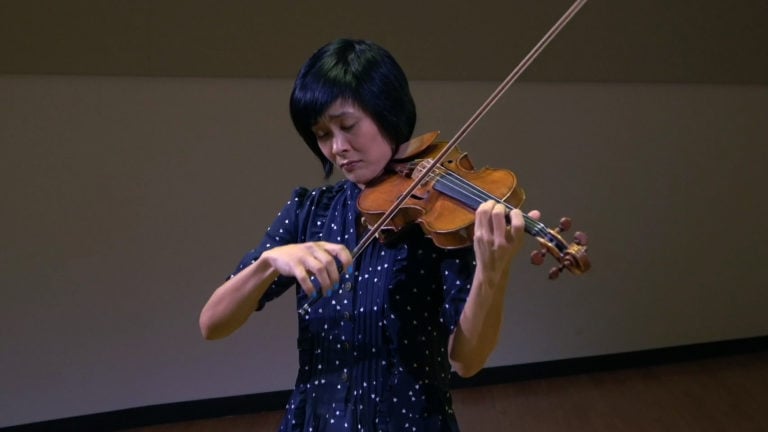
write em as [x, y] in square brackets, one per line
[348, 127]
[321, 134]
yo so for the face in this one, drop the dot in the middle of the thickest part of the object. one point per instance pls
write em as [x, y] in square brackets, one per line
[351, 140]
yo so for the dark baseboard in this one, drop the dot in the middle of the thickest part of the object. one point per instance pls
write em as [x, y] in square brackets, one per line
[247, 404]
[607, 362]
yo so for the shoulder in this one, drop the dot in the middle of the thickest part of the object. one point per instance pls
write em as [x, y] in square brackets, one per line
[329, 191]
[302, 196]
[308, 205]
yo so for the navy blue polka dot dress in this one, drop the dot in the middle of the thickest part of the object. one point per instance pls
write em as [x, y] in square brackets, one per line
[373, 355]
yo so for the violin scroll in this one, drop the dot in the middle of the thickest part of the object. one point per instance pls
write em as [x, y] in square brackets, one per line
[572, 257]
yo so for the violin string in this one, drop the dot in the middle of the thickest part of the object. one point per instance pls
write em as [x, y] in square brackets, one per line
[535, 227]
[480, 195]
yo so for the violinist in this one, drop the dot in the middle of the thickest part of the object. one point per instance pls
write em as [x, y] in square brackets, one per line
[377, 348]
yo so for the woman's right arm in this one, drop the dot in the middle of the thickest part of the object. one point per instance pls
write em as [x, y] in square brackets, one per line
[233, 302]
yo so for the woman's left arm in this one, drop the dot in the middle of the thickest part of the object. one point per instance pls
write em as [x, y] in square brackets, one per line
[495, 244]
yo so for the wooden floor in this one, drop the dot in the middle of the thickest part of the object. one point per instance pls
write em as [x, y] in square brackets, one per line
[716, 394]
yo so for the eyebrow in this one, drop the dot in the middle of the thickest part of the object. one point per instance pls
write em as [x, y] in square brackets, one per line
[340, 114]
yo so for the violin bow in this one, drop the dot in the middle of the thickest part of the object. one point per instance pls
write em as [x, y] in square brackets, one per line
[511, 78]
[481, 111]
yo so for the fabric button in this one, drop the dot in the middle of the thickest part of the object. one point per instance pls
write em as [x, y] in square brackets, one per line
[347, 315]
[344, 376]
[347, 286]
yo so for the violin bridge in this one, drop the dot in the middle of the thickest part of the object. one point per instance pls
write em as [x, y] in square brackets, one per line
[419, 170]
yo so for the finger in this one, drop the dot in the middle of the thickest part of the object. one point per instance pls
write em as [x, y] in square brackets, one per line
[342, 262]
[304, 281]
[516, 224]
[340, 253]
[483, 218]
[322, 266]
[499, 222]
[516, 219]
[534, 214]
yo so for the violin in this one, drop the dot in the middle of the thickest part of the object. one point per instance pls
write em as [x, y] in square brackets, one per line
[444, 204]
[437, 187]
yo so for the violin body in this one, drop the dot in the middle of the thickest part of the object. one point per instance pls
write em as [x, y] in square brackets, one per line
[444, 204]
[446, 217]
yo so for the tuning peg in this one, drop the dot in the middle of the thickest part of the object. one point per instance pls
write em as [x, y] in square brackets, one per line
[537, 256]
[554, 272]
[565, 225]
[580, 238]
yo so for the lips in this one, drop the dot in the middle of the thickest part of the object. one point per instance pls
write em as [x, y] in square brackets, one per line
[348, 165]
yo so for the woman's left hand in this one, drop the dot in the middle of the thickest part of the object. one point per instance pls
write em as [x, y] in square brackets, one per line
[495, 242]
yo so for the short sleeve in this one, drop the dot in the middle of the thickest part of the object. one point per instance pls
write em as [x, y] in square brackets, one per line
[282, 231]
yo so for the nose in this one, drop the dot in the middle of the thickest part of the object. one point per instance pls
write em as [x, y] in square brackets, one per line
[339, 145]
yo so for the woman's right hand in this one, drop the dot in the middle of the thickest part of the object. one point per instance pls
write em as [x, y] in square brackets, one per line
[304, 260]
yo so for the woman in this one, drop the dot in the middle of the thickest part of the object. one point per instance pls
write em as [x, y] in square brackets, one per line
[375, 354]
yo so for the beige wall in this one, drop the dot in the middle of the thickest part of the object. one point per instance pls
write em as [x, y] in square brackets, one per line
[126, 201]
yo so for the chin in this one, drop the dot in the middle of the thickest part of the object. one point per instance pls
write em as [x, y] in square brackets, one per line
[358, 179]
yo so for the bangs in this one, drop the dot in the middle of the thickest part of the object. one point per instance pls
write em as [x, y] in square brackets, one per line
[310, 101]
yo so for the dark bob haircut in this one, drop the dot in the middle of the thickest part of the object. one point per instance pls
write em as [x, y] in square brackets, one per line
[361, 72]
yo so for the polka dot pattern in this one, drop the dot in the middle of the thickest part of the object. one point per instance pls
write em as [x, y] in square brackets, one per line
[372, 355]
